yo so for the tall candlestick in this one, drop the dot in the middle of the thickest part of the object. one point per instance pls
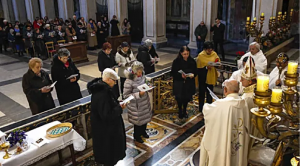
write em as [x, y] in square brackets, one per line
[254, 19]
[248, 18]
[276, 95]
[262, 83]
[292, 67]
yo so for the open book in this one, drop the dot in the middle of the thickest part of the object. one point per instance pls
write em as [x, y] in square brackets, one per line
[72, 76]
[186, 74]
[145, 88]
[127, 100]
[214, 96]
[214, 63]
[51, 86]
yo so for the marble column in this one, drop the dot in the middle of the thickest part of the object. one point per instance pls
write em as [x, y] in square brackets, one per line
[155, 22]
[47, 8]
[8, 10]
[201, 10]
[118, 8]
[88, 9]
[32, 9]
[65, 9]
[19, 10]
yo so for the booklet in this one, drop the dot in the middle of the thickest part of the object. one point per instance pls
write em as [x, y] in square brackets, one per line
[72, 76]
[212, 94]
[187, 75]
[145, 88]
[51, 86]
[74, 37]
[40, 142]
[127, 100]
[214, 63]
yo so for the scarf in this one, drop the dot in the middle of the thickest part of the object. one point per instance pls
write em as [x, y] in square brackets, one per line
[17, 30]
[67, 64]
[92, 25]
[125, 55]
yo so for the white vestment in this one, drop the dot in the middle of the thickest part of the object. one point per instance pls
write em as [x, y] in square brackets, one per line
[225, 141]
[236, 75]
[274, 77]
[259, 59]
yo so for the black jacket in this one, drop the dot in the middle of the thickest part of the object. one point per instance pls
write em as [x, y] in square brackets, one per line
[18, 37]
[48, 34]
[184, 89]
[60, 35]
[218, 32]
[114, 27]
[66, 91]
[105, 61]
[3, 36]
[38, 101]
[108, 131]
[201, 31]
[39, 44]
[81, 36]
[144, 56]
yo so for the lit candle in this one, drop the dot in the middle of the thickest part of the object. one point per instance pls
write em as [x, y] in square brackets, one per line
[279, 13]
[262, 83]
[276, 95]
[248, 18]
[254, 19]
[262, 14]
[284, 13]
[292, 10]
[292, 67]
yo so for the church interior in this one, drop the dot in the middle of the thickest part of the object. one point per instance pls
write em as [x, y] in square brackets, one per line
[62, 135]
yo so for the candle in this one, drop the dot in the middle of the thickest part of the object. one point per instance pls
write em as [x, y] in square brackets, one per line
[248, 18]
[284, 13]
[292, 67]
[292, 10]
[254, 19]
[262, 14]
[276, 95]
[262, 83]
[279, 13]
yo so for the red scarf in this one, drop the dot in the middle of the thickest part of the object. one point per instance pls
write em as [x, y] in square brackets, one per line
[67, 64]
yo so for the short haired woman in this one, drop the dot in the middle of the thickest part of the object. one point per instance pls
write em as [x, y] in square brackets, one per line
[207, 75]
[184, 83]
[35, 85]
[139, 108]
[67, 88]
[124, 58]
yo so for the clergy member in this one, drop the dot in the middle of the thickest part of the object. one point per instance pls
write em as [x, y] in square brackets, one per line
[225, 141]
[258, 57]
[236, 75]
[277, 74]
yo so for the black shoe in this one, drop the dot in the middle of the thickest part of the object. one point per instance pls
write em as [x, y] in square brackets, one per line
[139, 139]
[185, 115]
[145, 135]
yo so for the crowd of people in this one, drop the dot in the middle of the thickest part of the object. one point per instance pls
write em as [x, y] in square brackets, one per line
[32, 36]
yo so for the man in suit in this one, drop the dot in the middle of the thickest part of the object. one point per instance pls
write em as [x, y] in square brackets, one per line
[218, 37]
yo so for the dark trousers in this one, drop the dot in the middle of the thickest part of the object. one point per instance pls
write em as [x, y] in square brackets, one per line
[1, 48]
[220, 43]
[122, 85]
[202, 74]
[139, 130]
[182, 105]
[200, 44]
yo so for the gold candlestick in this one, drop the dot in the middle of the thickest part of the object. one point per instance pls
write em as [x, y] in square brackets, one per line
[5, 146]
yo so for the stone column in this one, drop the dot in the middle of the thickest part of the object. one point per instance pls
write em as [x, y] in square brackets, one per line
[47, 8]
[118, 8]
[155, 22]
[65, 9]
[88, 9]
[201, 10]
[32, 9]
[19, 10]
[8, 10]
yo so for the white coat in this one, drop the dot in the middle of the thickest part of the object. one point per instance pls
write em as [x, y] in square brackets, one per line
[260, 61]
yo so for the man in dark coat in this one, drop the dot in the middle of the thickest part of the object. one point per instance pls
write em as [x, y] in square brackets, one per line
[108, 131]
[200, 33]
[34, 85]
[49, 35]
[63, 67]
[81, 32]
[218, 37]
[74, 21]
[147, 55]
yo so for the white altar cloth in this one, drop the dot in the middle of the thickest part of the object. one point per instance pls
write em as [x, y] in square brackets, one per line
[34, 153]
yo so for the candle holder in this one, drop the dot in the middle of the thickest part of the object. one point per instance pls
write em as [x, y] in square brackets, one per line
[275, 109]
[254, 31]
[291, 80]
[5, 146]
[262, 100]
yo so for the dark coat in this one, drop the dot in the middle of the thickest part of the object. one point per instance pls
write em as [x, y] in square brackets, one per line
[218, 32]
[144, 56]
[184, 89]
[105, 26]
[66, 91]
[81, 34]
[48, 34]
[108, 131]
[3, 36]
[100, 35]
[28, 38]
[61, 35]
[18, 37]
[105, 61]
[201, 31]
[39, 44]
[38, 101]
[114, 28]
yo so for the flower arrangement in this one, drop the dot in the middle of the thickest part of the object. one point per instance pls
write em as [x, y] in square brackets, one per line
[16, 136]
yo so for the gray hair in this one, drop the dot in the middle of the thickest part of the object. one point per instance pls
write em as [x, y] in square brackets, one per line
[63, 52]
[148, 42]
[137, 66]
[109, 73]
[256, 45]
[231, 85]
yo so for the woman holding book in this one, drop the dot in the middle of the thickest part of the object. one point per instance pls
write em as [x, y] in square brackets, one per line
[207, 74]
[184, 71]
[139, 108]
[67, 75]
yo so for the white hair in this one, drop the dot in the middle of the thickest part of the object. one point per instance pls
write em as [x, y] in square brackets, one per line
[148, 42]
[256, 45]
[109, 73]
[230, 86]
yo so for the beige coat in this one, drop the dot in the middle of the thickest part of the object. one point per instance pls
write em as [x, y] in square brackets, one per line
[92, 40]
[70, 34]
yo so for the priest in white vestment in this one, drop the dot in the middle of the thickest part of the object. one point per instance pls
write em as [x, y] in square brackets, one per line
[236, 75]
[277, 74]
[225, 141]
[258, 57]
